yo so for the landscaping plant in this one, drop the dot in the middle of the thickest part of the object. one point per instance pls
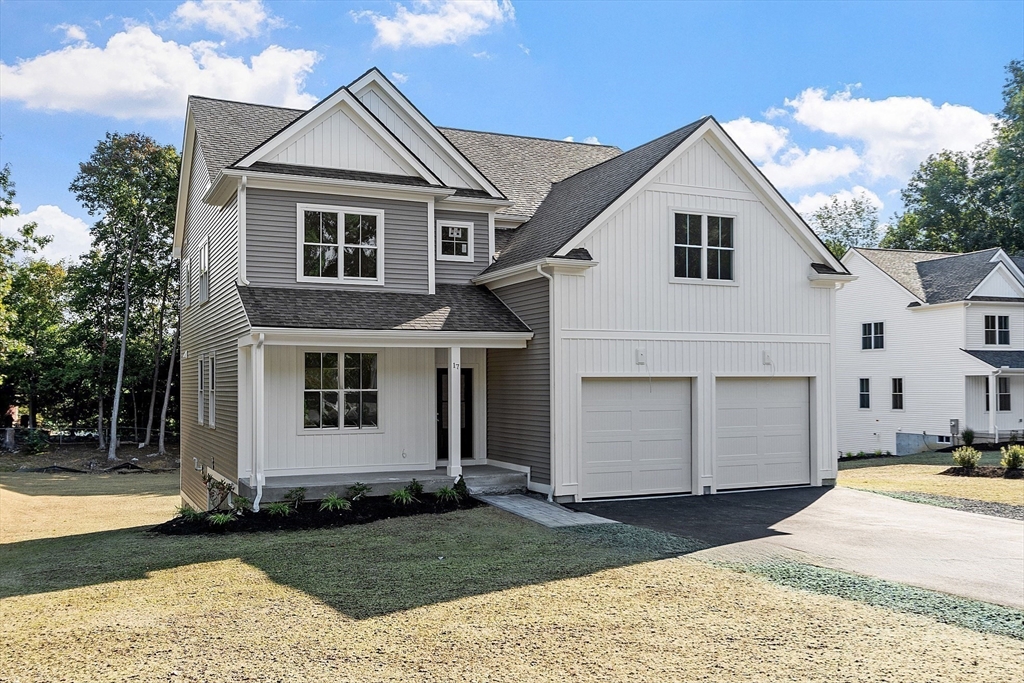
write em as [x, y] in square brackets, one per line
[403, 497]
[280, 509]
[446, 494]
[332, 502]
[36, 442]
[220, 518]
[296, 495]
[1013, 457]
[968, 437]
[241, 505]
[358, 490]
[966, 457]
[219, 490]
[188, 514]
[415, 488]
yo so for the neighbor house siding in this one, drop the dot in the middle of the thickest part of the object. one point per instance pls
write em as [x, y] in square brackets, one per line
[459, 272]
[272, 232]
[518, 386]
[210, 328]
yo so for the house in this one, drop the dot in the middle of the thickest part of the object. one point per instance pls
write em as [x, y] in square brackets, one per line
[925, 338]
[649, 322]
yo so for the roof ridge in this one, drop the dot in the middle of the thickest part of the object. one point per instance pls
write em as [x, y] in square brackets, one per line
[248, 104]
[528, 137]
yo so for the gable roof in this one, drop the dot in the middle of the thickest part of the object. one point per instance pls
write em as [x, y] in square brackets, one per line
[574, 202]
[524, 168]
[934, 277]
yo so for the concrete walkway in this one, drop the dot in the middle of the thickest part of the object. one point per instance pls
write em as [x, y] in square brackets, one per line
[544, 513]
[970, 555]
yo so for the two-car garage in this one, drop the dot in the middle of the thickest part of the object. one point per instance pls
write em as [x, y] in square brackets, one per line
[638, 435]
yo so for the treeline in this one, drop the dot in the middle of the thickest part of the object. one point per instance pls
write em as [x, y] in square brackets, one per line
[86, 345]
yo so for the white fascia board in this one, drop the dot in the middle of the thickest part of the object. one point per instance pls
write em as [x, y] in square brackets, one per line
[226, 184]
[828, 280]
[375, 77]
[507, 221]
[341, 96]
[185, 175]
[275, 336]
[1005, 259]
[475, 203]
[994, 273]
[497, 278]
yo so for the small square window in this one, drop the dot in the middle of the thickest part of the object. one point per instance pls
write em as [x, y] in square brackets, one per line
[872, 336]
[454, 241]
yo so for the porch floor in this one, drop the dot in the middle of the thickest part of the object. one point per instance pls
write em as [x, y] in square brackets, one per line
[479, 479]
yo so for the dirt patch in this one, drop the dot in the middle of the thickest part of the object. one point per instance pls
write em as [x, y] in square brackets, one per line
[982, 471]
[86, 457]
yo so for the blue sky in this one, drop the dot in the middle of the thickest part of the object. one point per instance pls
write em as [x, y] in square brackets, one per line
[827, 98]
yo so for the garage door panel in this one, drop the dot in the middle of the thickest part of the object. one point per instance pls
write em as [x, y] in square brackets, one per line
[737, 446]
[737, 476]
[648, 453]
[783, 416]
[737, 417]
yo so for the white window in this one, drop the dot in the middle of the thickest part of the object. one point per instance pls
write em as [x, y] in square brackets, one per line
[186, 283]
[944, 438]
[454, 241]
[204, 272]
[988, 397]
[340, 244]
[872, 336]
[340, 390]
[897, 393]
[702, 247]
[201, 387]
[1003, 394]
[211, 393]
[865, 393]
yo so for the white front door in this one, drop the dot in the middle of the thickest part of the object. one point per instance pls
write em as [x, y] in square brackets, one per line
[636, 437]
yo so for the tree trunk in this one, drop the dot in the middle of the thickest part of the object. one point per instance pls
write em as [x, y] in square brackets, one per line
[104, 329]
[156, 357]
[167, 394]
[112, 448]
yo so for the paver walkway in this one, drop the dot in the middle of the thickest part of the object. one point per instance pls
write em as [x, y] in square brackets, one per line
[542, 512]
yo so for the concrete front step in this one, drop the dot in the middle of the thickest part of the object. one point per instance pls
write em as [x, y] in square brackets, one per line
[480, 479]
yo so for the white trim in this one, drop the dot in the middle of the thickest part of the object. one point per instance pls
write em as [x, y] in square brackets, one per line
[242, 279]
[184, 180]
[1005, 259]
[465, 225]
[431, 269]
[201, 387]
[497, 279]
[185, 282]
[277, 336]
[902, 394]
[490, 237]
[854, 250]
[476, 202]
[221, 189]
[341, 211]
[993, 274]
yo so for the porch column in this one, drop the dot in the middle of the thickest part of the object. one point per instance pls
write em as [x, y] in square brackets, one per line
[454, 411]
[259, 422]
[993, 403]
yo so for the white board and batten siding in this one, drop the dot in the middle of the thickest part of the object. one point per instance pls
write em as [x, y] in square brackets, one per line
[690, 330]
[1006, 420]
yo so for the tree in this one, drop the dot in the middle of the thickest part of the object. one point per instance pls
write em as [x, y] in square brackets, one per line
[131, 182]
[845, 224]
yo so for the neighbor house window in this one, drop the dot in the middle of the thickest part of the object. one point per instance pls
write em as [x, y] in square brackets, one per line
[703, 247]
[340, 244]
[897, 393]
[865, 393]
[186, 283]
[454, 241]
[322, 385]
[872, 336]
[1004, 330]
[360, 379]
[204, 272]
[1003, 394]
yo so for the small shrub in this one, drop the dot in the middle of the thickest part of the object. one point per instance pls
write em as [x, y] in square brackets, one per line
[849, 454]
[446, 494]
[966, 457]
[187, 513]
[280, 509]
[332, 502]
[1013, 457]
[358, 490]
[220, 518]
[403, 497]
[968, 435]
[36, 442]
[219, 490]
[415, 488]
[888, 454]
[861, 454]
[296, 495]
[241, 505]
[878, 451]
[461, 488]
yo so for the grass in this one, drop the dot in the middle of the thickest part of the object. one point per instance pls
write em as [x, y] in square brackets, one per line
[990, 458]
[920, 474]
[472, 595]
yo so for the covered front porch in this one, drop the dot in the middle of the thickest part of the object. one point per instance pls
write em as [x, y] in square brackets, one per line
[995, 396]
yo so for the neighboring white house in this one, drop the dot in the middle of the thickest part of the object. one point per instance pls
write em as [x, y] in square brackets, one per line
[925, 338]
[648, 322]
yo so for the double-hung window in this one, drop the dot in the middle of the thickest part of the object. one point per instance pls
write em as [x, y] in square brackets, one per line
[201, 387]
[360, 380]
[186, 283]
[206, 386]
[211, 391]
[997, 329]
[343, 245]
[204, 272]
[872, 336]
[897, 393]
[1003, 394]
[865, 393]
[454, 241]
[340, 390]
[322, 389]
[702, 247]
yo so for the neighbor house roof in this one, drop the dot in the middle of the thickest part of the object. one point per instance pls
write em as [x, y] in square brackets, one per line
[999, 359]
[576, 201]
[454, 308]
[934, 277]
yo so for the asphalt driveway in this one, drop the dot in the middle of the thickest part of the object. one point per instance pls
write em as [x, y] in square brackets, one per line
[966, 554]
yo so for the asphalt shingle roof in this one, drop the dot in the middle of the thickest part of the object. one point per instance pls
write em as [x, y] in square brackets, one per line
[577, 200]
[999, 359]
[454, 308]
[934, 277]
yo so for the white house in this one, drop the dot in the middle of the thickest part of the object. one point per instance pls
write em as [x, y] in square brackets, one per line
[925, 338]
[654, 321]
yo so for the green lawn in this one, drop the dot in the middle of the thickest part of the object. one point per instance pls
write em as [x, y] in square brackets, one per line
[987, 458]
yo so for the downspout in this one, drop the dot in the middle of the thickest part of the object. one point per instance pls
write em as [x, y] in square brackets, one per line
[257, 450]
[551, 375]
[993, 405]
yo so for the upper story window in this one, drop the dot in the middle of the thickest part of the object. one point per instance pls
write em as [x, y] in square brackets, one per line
[702, 247]
[454, 241]
[872, 336]
[865, 393]
[997, 329]
[204, 272]
[340, 244]
[186, 283]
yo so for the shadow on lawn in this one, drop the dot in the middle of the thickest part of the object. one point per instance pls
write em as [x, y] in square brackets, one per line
[73, 485]
[361, 571]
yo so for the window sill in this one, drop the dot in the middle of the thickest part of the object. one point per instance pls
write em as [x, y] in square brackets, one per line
[695, 281]
[339, 281]
[339, 431]
[456, 259]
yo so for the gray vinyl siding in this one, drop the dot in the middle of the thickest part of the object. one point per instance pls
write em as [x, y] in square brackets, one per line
[210, 328]
[271, 232]
[518, 386]
[459, 272]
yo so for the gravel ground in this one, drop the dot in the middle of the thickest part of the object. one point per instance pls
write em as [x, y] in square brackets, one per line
[926, 479]
[980, 507]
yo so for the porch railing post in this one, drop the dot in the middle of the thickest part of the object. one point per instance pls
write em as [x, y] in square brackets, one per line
[454, 411]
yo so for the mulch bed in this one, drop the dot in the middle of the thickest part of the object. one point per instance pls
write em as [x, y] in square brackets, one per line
[984, 471]
[309, 516]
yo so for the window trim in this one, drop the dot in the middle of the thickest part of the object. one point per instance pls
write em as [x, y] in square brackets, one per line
[204, 272]
[1000, 394]
[439, 225]
[341, 429]
[201, 387]
[703, 279]
[862, 394]
[893, 394]
[301, 208]
[211, 390]
[873, 336]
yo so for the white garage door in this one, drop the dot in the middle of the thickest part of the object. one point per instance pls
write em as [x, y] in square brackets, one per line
[636, 437]
[763, 433]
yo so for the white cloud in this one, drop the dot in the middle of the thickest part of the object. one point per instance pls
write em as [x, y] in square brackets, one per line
[72, 32]
[761, 141]
[436, 22]
[591, 140]
[897, 133]
[797, 168]
[399, 77]
[482, 55]
[234, 19]
[70, 234]
[809, 203]
[138, 74]
[568, 138]
[525, 49]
